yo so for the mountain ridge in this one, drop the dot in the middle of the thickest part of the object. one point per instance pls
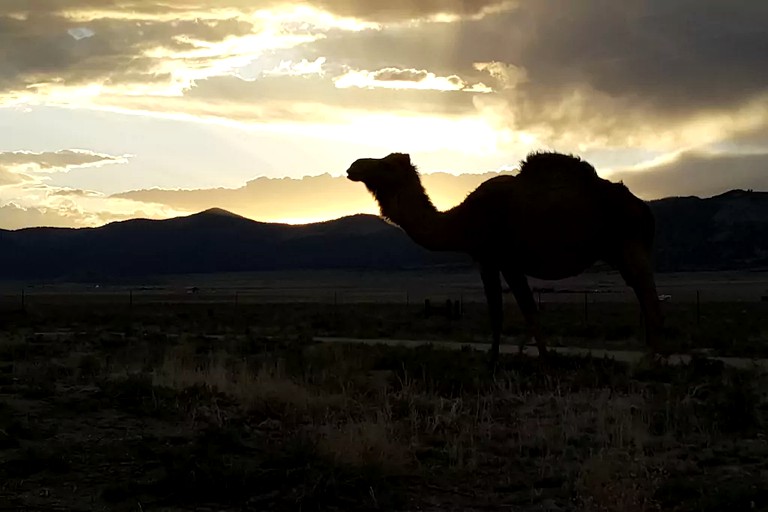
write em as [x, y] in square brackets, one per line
[726, 231]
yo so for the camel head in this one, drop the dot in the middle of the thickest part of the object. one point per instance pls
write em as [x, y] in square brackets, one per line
[385, 176]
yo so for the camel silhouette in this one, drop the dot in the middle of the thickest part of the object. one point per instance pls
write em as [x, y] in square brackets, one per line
[552, 220]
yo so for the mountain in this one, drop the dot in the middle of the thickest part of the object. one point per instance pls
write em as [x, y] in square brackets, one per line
[211, 241]
[728, 231]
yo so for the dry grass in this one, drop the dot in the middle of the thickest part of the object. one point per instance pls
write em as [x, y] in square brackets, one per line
[237, 421]
[605, 446]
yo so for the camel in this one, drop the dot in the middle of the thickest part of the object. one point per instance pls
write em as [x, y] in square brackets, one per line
[552, 220]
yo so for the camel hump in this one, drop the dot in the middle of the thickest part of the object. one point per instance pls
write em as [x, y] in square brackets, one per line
[549, 165]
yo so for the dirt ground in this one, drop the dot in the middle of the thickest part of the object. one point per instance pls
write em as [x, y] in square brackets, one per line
[194, 407]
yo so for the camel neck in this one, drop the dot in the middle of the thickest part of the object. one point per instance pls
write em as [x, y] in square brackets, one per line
[428, 227]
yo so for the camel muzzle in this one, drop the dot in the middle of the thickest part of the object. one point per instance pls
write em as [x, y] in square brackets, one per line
[353, 175]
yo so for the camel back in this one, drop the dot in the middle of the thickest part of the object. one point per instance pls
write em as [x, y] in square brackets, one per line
[551, 166]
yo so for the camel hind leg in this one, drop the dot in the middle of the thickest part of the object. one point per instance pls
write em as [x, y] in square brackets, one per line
[518, 283]
[492, 287]
[635, 267]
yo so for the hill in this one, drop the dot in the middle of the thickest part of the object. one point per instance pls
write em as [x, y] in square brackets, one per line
[729, 231]
[211, 241]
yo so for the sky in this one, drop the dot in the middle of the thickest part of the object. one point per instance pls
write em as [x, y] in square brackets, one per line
[116, 109]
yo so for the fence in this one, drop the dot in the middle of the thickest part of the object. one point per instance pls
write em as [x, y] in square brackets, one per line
[25, 296]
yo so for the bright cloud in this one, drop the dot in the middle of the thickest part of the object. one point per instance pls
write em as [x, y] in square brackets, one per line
[301, 68]
[394, 78]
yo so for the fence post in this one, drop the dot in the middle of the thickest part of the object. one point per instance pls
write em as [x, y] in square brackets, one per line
[586, 307]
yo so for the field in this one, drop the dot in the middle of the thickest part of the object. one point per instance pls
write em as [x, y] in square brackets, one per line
[153, 396]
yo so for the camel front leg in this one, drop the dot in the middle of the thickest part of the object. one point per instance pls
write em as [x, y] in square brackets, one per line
[492, 287]
[635, 268]
[518, 283]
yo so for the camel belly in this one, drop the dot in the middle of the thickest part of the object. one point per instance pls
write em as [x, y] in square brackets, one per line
[563, 250]
[559, 266]
[550, 233]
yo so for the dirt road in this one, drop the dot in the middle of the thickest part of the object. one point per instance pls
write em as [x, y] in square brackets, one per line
[628, 356]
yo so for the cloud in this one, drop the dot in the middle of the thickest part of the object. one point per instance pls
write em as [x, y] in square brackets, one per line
[581, 75]
[574, 76]
[21, 171]
[8, 177]
[13, 216]
[318, 98]
[55, 161]
[372, 10]
[92, 53]
[395, 78]
[309, 199]
[398, 10]
[315, 198]
[300, 200]
[698, 173]
[73, 55]
[27, 198]
[301, 68]
[674, 73]
[49, 206]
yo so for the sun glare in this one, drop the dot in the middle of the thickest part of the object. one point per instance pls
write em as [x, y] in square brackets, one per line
[471, 135]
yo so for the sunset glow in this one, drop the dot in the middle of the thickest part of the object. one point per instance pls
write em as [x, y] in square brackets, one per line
[167, 108]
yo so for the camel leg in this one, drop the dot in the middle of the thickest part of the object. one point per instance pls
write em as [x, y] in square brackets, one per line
[492, 287]
[635, 268]
[518, 283]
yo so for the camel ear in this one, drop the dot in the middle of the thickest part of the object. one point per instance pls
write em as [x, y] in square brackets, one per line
[400, 158]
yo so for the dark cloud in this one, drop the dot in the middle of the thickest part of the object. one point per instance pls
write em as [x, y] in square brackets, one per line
[593, 72]
[371, 10]
[620, 71]
[41, 48]
[700, 175]
[395, 74]
[668, 55]
[393, 10]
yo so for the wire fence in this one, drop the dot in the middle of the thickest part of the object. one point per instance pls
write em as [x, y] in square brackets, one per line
[30, 295]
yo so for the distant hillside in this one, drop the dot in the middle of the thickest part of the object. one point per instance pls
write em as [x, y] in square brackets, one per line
[729, 231]
[211, 241]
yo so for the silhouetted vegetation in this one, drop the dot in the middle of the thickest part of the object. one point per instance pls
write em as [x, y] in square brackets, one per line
[172, 416]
